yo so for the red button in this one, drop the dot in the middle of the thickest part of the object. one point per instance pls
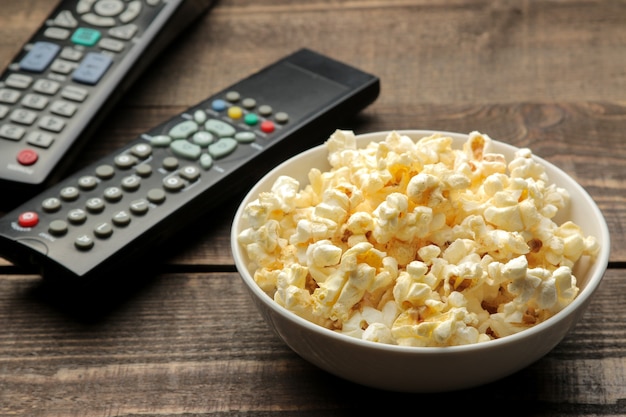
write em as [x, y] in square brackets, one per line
[28, 219]
[267, 126]
[27, 157]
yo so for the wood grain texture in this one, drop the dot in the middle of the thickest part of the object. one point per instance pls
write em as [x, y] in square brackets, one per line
[548, 74]
[192, 343]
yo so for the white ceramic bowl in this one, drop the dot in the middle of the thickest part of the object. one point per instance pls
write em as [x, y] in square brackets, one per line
[425, 369]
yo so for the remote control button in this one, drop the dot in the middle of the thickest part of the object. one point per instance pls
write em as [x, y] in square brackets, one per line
[12, 132]
[170, 163]
[27, 157]
[202, 138]
[121, 218]
[71, 54]
[4, 110]
[84, 6]
[9, 96]
[23, 116]
[113, 194]
[39, 57]
[103, 230]
[66, 19]
[245, 137]
[57, 227]
[267, 126]
[87, 182]
[20, 81]
[131, 183]
[281, 117]
[105, 172]
[86, 36]
[46, 86]
[183, 130]
[190, 173]
[92, 68]
[62, 67]
[51, 123]
[83, 242]
[74, 93]
[265, 110]
[125, 32]
[77, 216]
[248, 103]
[56, 33]
[111, 45]
[199, 116]
[233, 96]
[139, 207]
[40, 139]
[173, 184]
[108, 7]
[235, 112]
[251, 119]
[206, 161]
[219, 128]
[142, 150]
[156, 195]
[63, 108]
[132, 11]
[51, 204]
[28, 219]
[222, 147]
[34, 101]
[219, 105]
[125, 161]
[94, 19]
[185, 149]
[95, 205]
[143, 170]
[160, 141]
[69, 193]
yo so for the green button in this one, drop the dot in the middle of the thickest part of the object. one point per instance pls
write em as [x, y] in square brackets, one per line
[86, 36]
[251, 119]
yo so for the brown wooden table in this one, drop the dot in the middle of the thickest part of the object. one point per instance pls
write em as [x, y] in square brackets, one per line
[550, 75]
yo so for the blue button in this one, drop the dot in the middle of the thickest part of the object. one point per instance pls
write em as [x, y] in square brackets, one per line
[219, 105]
[92, 68]
[39, 57]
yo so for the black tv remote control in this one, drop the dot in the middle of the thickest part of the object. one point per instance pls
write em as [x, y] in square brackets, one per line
[68, 75]
[133, 201]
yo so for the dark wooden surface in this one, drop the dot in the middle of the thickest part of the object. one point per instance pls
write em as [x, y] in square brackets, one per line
[187, 341]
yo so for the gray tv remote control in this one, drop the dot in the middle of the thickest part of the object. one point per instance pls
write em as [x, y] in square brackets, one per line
[68, 75]
[130, 203]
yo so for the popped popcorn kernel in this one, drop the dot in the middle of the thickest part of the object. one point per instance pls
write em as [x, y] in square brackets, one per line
[415, 243]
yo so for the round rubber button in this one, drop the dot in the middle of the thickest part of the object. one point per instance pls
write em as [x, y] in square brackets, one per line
[57, 227]
[27, 157]
[267, 126]
[28, 219]
[156, 195]
[83, 242]
[51, 204]
[105, 171]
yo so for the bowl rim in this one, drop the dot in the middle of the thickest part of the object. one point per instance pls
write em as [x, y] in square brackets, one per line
[596, 273]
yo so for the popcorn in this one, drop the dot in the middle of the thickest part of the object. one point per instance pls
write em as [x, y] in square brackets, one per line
[415, 243]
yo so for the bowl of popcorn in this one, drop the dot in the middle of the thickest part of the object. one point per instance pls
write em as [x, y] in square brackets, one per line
[419, 261]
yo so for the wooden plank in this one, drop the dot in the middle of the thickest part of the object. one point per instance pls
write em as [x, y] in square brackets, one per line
[194, 343]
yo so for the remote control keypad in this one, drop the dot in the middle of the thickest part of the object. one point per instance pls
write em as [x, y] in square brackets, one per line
[197, 140]
[44, 90]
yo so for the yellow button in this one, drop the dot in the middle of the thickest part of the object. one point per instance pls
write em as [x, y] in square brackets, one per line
[235, 112]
